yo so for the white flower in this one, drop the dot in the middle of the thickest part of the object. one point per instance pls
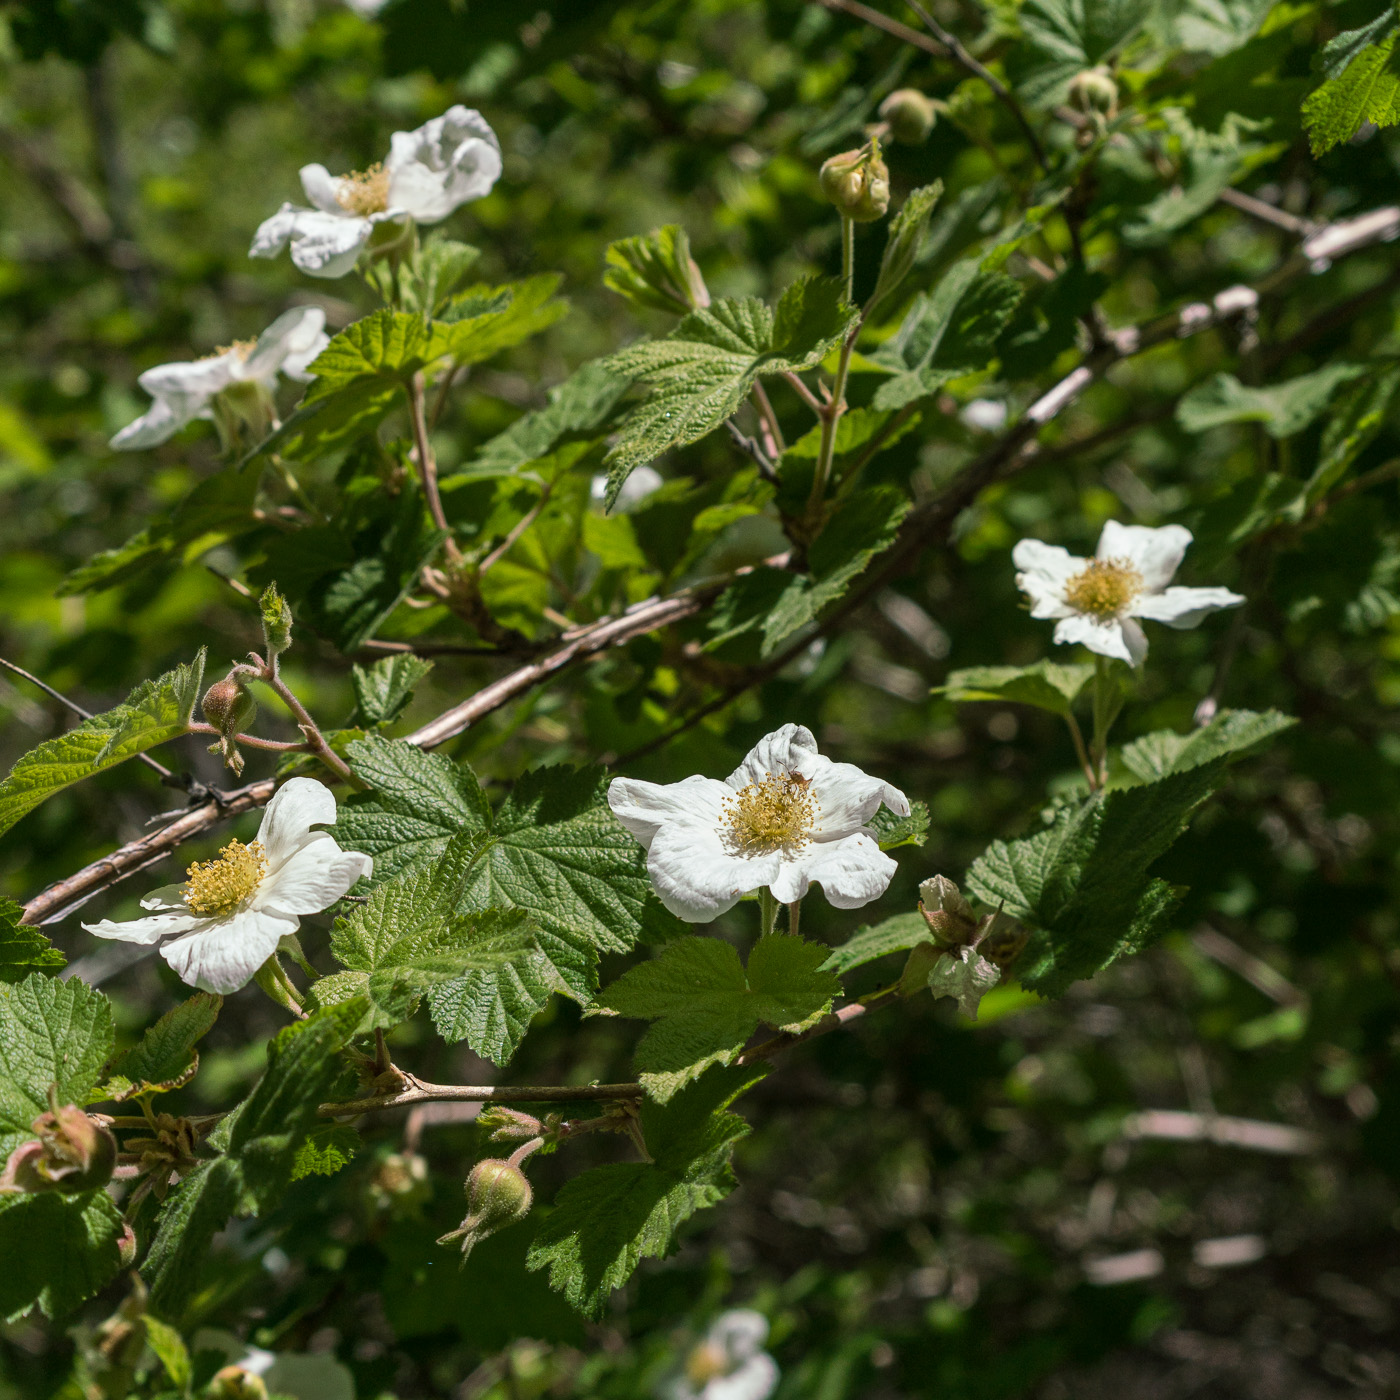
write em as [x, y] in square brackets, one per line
[429, 172]
[989, 415]
[730, 1363]
[784, 818]
[219, 927]
[635, 489]
[186, 391]
[966, 976]
[1098, 601]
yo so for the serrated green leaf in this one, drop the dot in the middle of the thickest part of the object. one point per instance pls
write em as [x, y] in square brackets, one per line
[865, 945]
[1080, 32]
[327, 1149]
[51, 1033]
[471, 334]
[383, 691]
[705, 1004]
[438, 269]
[58, 1251]
[704, 369]
[171, 1352]
[1083, 883]
[1351, 428]
[23, 949]
[907, 230]
[1230, 735]
[165, 1056]
[1366, 89]
[155, 712]
[893, 831]
[606, 1221]
[1048, 685]
[1284, 408]
[656, 270]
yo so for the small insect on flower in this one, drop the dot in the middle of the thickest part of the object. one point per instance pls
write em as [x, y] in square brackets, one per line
[1098, 601]
[219, 927]
[785, 819]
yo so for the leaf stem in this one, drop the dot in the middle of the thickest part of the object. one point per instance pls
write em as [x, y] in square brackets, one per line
[831, 412]
[848, 255]
[1077, 734]
[427, 463]
[767, 911]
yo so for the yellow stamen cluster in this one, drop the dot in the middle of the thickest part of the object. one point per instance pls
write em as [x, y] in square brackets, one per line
[777, 814]
[364, 191]
[1104, 589]
[220, 886]
[705, 1363]
[243, 348]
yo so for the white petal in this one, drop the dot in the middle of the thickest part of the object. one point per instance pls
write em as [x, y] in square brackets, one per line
[159, 422]
[275, 233]
[327, 245]
[847, 798]
[791, 749]
[1044, 570]
[851, 872]
[291, 333]
[445, 163]
[304, 347]
[1135, 639]
[643, 808]
[195, 379]
[1185, 607]
[223, 954]
[322, 189]
[756, 1379]
[739, 1332]
[166, 899]
[696, 878]
[297, 806]
[313, 878]
[148, 930]
[1155, 553]
[1105, 638]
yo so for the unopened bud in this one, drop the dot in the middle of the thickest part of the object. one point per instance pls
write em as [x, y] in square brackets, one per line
[1094, 90]
[498, 1195]
[234, 1383]
[72, 1154]
[230, 707]
[858, 183]
[126, 1246]
[910, 114]
[509, 1124]
[276, 621]
[946, 912]
[1000, 939]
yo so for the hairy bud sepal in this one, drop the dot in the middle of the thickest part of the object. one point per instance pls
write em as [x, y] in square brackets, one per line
[234, 1383]
[71, 1153]
[858, 183]
[509, 1124]
[276, 622]
[946, 912]
[911, 115]
[498, 1195]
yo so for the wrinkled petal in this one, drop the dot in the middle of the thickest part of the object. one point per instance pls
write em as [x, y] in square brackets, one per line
[1044, 571]
[643, 808]
[791, 749]
[323, 190]
[1105, 638]
[696, 878]
[847, 798]
[851, 872]
[313, 878]
[1155, 553]
[223, 954]
[165, 899]
[739, 1332]
[290, 335]
[966, 976]
[275, 233]
[297, 806]
[1185, 607]
[159, 423]
[149, 930]
[195, 379]
[756, 1379]
[443, 164]
[325, 245]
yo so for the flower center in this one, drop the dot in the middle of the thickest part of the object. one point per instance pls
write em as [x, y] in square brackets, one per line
[777, 814]
[220, 886]
[1104, 588]
[243, 348]
[364, 191]
[705, 1363]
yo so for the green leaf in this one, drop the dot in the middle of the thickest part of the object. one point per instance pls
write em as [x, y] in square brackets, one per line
[439, 268]
[656, 270]
[51, 1033]
[1080, 32]
[1083, 882]
[328, 1148]
[1219, 26]
[1366, 89]
[907, 230]
[1352, 427]
[58, 1251]
[410, 937]
[892, 831]
[896, 935]
[383, 691]
[704, 369]
[579, 409]
[556, 853]
[156, 711]
[164, 1058]
[476, 324]
[23, 949]
[706, 1005]
[1230, 735]
[1048, 685]
[276, 621]
[1284, 408]
[606, 1221]
[171, 1352]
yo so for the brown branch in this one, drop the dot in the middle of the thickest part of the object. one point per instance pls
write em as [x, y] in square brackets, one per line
[890, 26]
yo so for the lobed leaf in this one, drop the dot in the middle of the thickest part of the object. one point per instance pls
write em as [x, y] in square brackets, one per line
[383, 691]
[23, 949]
[1048, 685]
[867, 944]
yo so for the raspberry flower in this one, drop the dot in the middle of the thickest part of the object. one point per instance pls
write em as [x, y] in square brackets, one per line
[1098, 601]
[447, 162]
[219, 927]
[235, 380]
[784, 819]
[730, 1364]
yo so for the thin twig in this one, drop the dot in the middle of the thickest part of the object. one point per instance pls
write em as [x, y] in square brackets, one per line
[516, 530]
[773, 443]
[1267, 213]
[803, 392]
[745, 443]
[427, 463]
[890, 26]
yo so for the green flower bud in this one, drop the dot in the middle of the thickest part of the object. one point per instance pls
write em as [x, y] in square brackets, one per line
[858, 183]
[948, 915]
[1094, 90]
[509, 1124]
[498, 1195]
[910, 114]
[234, 1383]
[276, 621]
[71, 1154]
[231, 709]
